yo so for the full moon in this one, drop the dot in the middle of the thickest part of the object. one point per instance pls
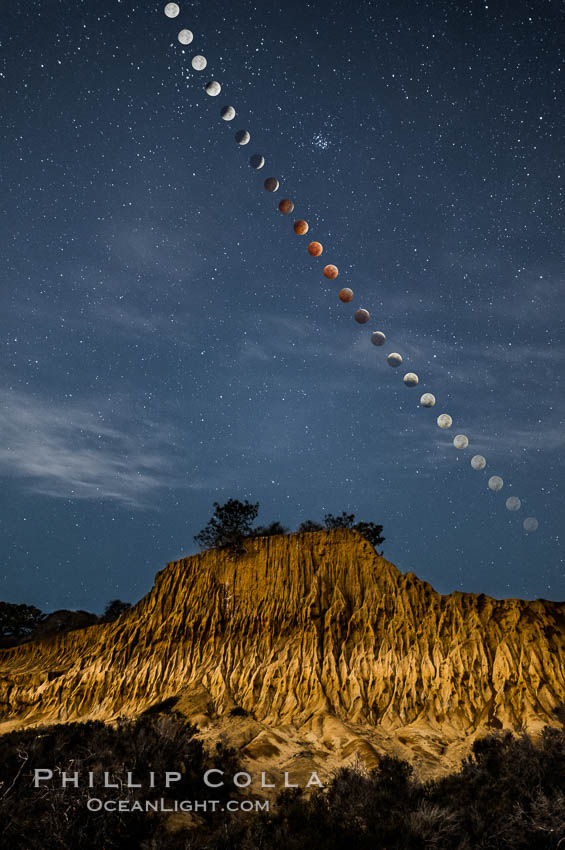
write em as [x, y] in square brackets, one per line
[213, 88]
[410, 379]
[513, 503]
[531, 524]
[345, 295]
[199, 63]
[256, 161]
[242, 137]
[460, 441]
[300, 227]
[394, 359]
[362, 316]
[172, 10]
[378, 338]
[185, 36]
[495, 483]
[478, 462]
[331, 272]
[444, 420]
[427, 400]
[315, 249]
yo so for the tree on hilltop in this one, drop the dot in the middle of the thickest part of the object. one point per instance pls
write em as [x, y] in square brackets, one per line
[229, 526]
[269, 530]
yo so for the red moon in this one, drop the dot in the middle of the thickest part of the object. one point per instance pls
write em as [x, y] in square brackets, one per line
[345, 295]
[315, 249]
[331, 272]
[301, 227]
[286, 206]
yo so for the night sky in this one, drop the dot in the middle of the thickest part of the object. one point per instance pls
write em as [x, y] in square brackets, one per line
[168, 342]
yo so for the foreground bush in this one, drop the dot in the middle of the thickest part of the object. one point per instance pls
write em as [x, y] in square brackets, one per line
[508, 795]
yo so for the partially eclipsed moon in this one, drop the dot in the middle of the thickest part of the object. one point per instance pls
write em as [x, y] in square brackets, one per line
[427, 400]
[394, 359]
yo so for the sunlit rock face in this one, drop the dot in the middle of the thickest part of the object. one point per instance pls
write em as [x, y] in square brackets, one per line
[309, 650]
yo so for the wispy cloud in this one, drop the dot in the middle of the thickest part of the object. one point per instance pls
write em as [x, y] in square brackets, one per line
[68, 451]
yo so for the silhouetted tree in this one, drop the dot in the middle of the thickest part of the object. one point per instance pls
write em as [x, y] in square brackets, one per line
[269, 530]
[19, 621]
[342, 521]
[113, 610]
[310, 525]
[370, 530]
[228, 526]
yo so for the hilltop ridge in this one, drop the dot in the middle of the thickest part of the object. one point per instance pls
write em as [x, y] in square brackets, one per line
[310, 648]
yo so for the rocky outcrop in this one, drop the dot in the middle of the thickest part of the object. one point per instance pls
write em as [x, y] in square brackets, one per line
[310, 648]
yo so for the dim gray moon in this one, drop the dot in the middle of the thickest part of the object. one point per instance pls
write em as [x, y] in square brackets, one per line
[378, 338]
[478, 462]
[199, 63]
[362, 316]
[394, 359]
[444, 421]
[531, 524]
[513, 503]
[427, 400]
[460, 441]
[185, 36]
[495, 483]
[228, 113]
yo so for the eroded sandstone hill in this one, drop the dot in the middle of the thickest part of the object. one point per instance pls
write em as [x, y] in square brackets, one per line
[307, 652]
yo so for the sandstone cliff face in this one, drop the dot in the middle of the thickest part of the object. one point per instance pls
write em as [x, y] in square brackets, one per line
[332, 651]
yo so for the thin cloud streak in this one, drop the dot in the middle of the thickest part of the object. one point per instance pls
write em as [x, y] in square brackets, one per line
[67, 452]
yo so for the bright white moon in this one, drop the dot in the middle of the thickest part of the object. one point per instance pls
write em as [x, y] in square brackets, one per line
[185, 36]
[213, 88]
[460, 441]
[172, 10]
[444, 420]
[199, 63]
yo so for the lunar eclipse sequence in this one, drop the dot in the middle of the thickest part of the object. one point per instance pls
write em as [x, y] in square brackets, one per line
[346, 295]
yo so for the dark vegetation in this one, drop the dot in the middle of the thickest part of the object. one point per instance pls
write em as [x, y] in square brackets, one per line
[54, 818]
[22, 623]
[508, 795]
[231, 524]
